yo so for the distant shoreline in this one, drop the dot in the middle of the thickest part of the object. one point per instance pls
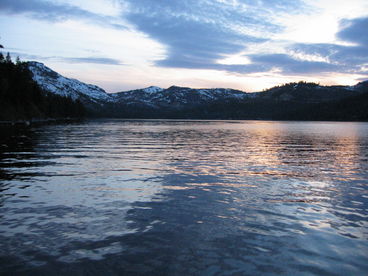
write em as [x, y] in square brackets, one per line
[33, 122]
[38, 122]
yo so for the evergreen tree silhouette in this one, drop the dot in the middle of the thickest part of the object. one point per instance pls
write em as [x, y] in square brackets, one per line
[8, 58]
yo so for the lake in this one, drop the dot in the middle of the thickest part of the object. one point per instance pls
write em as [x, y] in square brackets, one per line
[170, 197]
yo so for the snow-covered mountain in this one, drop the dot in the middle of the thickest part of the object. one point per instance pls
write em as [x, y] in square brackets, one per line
[178, 98]
[153, 96]
[55, 83]
[175, 96]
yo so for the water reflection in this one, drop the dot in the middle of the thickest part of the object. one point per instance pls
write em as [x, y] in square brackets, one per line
[186, 197]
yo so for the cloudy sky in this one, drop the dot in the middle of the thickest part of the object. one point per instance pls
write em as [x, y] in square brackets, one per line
[245, 44]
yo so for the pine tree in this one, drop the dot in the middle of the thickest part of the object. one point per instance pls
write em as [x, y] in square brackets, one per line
[1, 54]
[8, 58]
[18, 62]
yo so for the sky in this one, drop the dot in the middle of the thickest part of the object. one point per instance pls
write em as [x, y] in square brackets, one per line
[249, 45]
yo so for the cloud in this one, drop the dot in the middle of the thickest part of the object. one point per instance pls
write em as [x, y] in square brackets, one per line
[290, 65]
[347, 58]
[338, 54]
[54, 12]
[43, 9]
[354, 30]
[197, 33]
[336, 57]
[363, 79]
[96, 60]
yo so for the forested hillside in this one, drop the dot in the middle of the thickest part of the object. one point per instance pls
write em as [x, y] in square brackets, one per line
[22, 99]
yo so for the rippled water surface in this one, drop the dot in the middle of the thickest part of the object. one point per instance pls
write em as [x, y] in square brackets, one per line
[115, 197]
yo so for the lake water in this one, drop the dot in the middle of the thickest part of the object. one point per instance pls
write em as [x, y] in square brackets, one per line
[166, 197]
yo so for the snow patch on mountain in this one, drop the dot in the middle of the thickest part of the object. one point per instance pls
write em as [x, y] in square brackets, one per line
[152, 89]
[55, 83]
[222, 93]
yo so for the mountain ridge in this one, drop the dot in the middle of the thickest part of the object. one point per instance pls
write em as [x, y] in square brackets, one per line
[54, 82]
[186, 102]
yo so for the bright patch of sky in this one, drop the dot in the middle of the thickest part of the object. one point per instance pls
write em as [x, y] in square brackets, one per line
[321, 22]
[242, 44]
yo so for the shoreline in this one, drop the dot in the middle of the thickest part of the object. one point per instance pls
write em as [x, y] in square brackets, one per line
[36, 122]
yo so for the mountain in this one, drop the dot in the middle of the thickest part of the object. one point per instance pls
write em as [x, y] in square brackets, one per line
[55, 83]
[310, 92]
[153, 96]
[175, 97]
[296, 101]
[22, 99]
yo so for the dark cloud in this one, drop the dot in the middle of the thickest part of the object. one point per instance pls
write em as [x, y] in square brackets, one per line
[108, 61]
[43, 9]
[363, 79]
[24, 56]
[95, 60]
[354, 30]
[290, 65]
[197, 33]
[49, 11]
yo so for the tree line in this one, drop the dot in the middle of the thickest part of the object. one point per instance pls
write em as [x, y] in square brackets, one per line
[21, 98]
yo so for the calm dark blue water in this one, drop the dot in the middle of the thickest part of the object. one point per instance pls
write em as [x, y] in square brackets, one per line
[115, 197]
